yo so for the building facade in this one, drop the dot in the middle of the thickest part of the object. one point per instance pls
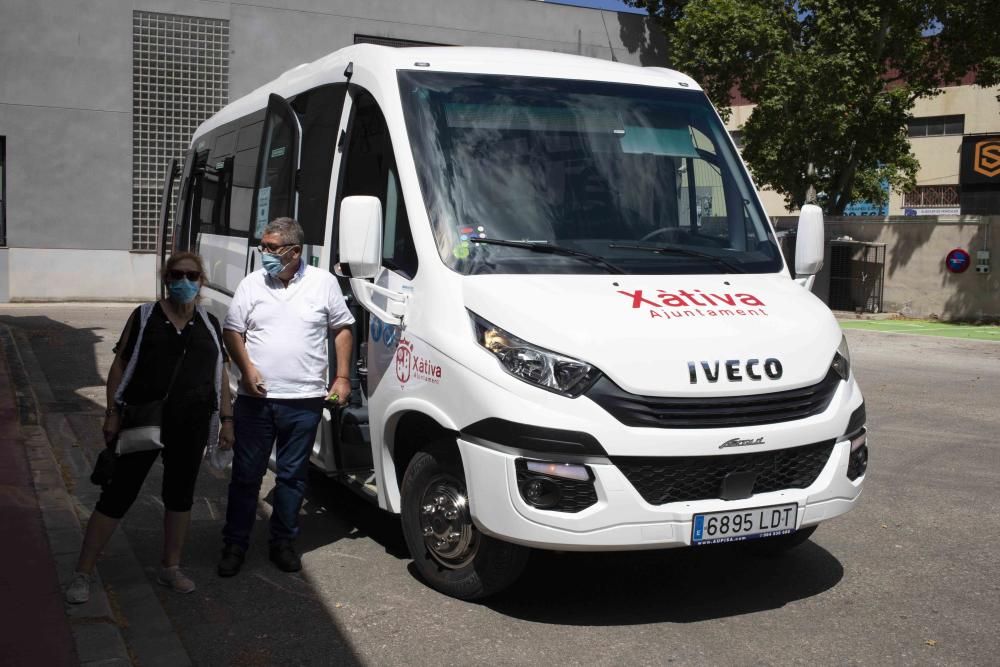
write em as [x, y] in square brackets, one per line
[895, 258]
[944, 135]
[97, 96]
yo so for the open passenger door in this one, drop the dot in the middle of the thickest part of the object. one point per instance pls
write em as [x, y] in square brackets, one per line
[163, 227]
[275, 193]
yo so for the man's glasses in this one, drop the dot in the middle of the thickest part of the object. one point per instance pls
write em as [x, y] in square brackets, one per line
[177, 274]
[274, 249]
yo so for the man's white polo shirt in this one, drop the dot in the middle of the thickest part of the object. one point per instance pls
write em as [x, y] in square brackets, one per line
[286, 328]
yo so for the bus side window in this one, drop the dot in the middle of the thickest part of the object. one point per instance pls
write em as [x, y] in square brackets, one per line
[219, 173]
[244, 172]
[319, 115]
[214, 193]
[371, 170]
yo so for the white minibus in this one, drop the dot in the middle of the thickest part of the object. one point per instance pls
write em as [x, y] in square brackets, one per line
[575, 327]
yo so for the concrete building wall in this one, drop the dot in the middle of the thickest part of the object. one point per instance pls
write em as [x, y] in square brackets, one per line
[916, 280]
[260, 36]
[44, 274]
[66, 106]
[65, 109]
[68, 178]
[917, 284]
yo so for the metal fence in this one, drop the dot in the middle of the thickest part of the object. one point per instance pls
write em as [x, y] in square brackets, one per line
[857, 276]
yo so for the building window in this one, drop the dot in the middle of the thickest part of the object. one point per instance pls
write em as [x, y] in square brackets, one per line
[931, 196]
[180, 77]
[3, 191]
[391, 41]
[737, 136]
[936, 126]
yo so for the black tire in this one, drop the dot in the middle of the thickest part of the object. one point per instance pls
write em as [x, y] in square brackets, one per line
[468, 567]
[775, 546]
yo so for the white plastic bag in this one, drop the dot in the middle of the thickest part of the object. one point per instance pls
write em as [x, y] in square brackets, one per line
[219, 459]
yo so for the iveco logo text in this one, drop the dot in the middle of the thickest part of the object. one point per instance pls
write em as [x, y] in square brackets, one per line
[736, 370]
[737, 442]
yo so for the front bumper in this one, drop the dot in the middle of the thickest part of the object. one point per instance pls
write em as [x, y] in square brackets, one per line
[621, 519]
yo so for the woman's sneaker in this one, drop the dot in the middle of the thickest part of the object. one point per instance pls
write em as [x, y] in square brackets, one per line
[78, 590]
[175, 579]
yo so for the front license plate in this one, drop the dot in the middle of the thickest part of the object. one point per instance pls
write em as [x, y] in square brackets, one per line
[743, 524]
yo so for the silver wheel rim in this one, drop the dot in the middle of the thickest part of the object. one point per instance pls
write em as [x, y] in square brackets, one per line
[445, 523]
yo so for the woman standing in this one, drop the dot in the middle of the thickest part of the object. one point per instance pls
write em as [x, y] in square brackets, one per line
[181, 353]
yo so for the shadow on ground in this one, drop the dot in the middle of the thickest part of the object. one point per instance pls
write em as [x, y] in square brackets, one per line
[603, 588]
[673, 586]
[255, 619]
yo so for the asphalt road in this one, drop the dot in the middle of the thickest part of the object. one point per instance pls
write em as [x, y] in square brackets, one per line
[911, 576]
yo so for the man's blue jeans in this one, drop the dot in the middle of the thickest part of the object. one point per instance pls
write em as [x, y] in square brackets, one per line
[288, 424]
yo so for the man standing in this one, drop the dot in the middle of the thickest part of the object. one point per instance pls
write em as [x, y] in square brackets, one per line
[276, 332]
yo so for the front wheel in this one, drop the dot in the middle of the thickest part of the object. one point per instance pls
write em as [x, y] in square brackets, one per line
[448, 550]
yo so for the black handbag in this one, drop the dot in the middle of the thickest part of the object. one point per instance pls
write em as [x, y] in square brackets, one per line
[104, 467]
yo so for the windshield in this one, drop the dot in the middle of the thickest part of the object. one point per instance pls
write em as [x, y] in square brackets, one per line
[643, 178]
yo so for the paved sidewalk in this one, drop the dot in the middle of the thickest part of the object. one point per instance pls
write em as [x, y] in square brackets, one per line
[124, 622]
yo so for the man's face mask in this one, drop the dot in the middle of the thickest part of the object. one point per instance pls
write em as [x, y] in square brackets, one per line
[271, 258]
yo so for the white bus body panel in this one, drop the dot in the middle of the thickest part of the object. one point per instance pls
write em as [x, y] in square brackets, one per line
[641, 331]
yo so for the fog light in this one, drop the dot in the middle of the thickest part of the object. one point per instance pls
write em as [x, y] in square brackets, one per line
[858, 462]
[540, 492]
[555, 486]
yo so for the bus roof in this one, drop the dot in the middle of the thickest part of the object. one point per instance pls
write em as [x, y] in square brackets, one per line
[480, 60]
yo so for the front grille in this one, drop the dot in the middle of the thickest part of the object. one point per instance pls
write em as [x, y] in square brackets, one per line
[714, 412]
[661, 480]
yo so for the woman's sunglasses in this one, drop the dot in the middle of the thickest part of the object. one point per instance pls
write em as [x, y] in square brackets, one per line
[177, 274]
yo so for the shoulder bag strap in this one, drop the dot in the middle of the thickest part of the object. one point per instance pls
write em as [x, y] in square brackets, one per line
[177, 368]
[144, 312]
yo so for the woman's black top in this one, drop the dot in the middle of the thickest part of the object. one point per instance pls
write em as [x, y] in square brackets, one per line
[161, 350]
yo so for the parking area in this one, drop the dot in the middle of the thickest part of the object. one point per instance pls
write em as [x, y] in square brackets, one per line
[911, 576]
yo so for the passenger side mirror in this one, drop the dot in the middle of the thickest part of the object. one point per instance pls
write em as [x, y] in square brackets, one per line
[810, 242]
[360, 236]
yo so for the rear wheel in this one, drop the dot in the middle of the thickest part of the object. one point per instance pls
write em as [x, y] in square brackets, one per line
[775, 546]
[448, 550]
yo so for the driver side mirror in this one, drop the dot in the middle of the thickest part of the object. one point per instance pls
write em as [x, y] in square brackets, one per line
[360, 236]
[810, 242]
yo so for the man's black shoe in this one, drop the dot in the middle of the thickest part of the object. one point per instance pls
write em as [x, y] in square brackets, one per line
[232, 560]
[283, 555]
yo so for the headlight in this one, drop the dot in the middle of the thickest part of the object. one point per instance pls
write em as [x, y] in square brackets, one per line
[535, 365]
[842, 359]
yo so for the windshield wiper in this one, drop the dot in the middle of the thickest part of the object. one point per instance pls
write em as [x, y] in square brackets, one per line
[661, 249]
[541, 246]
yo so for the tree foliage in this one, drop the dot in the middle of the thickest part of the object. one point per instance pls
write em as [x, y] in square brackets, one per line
[834, 81]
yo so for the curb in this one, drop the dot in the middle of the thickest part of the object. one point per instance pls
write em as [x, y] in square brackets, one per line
[123, 623]
[852, 316]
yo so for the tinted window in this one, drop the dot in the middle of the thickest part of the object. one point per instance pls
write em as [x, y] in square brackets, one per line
[319, 114]
[936, 126]
[244, 171]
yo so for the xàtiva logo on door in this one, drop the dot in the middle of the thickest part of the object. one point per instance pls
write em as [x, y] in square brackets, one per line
[414, 365]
